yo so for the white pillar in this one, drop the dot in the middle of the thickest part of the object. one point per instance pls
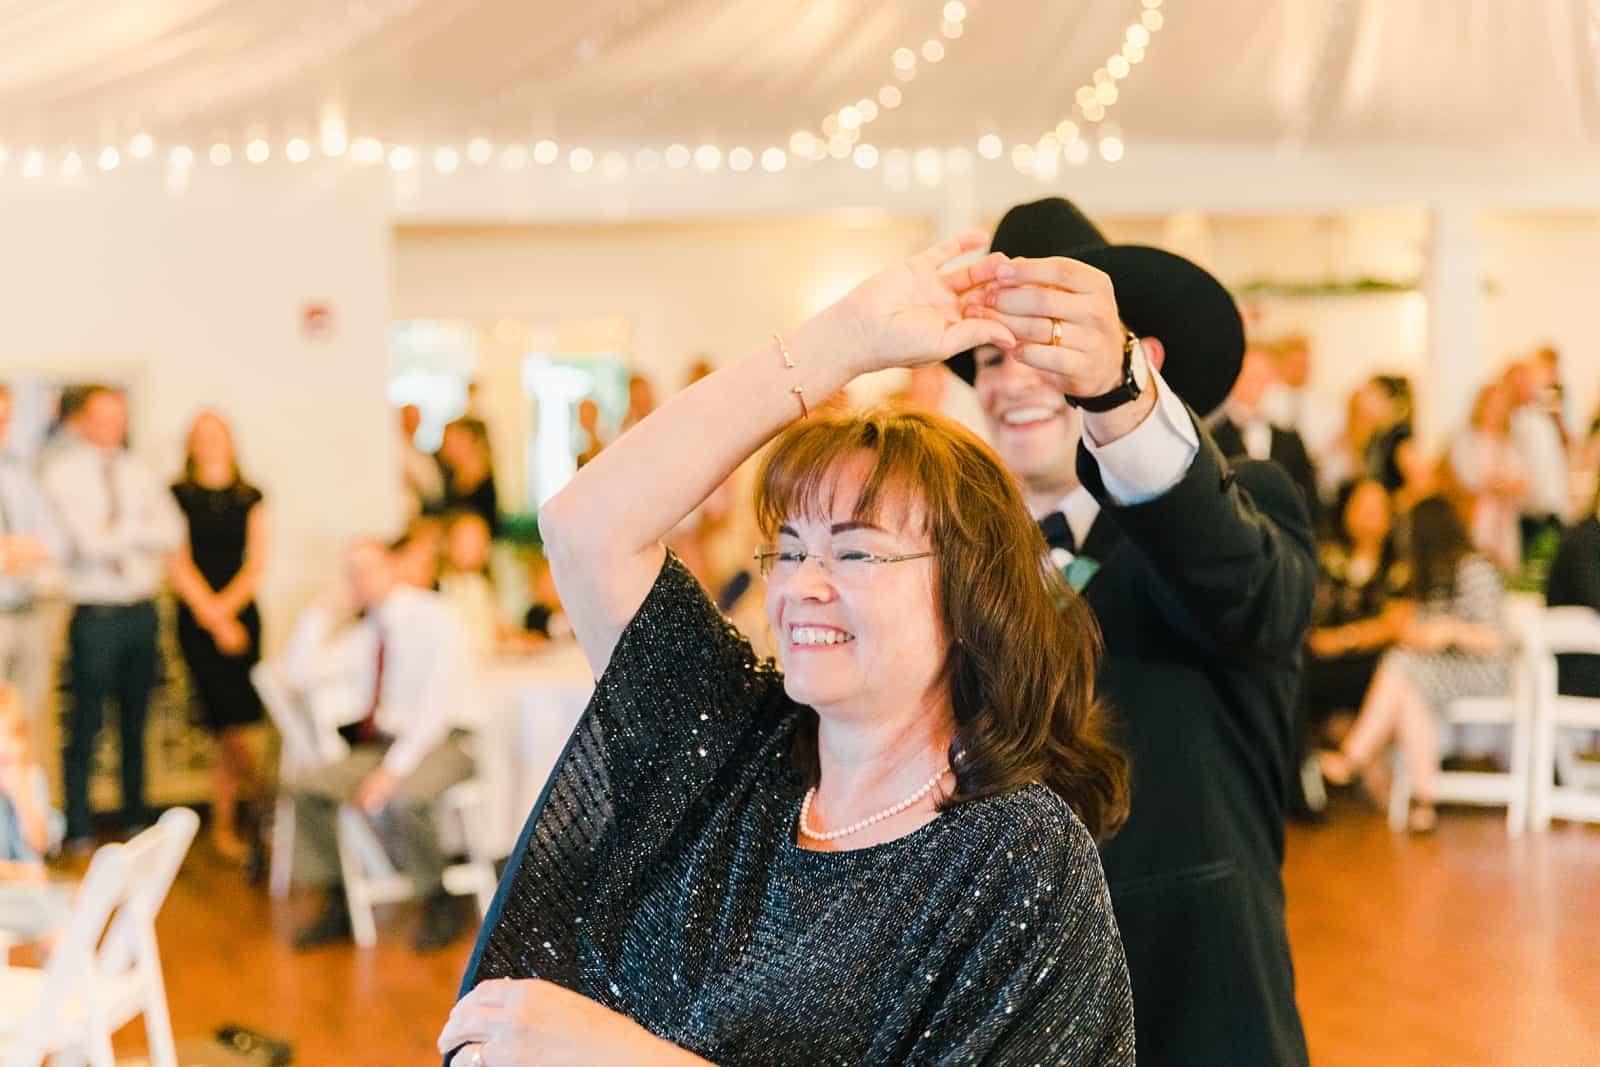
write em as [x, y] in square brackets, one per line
[1454, 368]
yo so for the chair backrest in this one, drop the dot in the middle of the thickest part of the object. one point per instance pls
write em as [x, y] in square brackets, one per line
[69, 972]
[1569, 629]
[153, 860]
[303, 744]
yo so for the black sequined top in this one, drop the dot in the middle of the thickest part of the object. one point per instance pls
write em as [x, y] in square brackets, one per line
[659, 876]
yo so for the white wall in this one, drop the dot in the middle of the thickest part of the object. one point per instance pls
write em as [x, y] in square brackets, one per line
[1543, 272]
[197, 300]
[663, 293]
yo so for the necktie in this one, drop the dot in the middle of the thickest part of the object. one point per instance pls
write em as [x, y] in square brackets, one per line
[1057, 534]
[108, 469]
[366, 731]
[113, 504]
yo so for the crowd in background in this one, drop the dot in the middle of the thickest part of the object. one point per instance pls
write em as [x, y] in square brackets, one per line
[1418, 547]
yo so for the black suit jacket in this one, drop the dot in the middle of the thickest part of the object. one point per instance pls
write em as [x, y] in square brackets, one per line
[1288, 451]
[1204, 595]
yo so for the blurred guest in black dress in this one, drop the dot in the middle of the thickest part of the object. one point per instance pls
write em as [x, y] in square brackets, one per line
[469, 471]
[216, 572]
[1359, 610]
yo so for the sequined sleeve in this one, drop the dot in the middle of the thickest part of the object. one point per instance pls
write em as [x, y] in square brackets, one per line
[681, 693]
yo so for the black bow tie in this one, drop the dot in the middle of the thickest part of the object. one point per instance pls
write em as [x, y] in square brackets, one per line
[1057, 534]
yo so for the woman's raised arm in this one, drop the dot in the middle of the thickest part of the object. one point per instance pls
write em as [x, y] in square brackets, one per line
[603, 531]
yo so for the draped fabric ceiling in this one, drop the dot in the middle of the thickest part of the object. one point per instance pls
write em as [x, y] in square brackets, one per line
[78, 74]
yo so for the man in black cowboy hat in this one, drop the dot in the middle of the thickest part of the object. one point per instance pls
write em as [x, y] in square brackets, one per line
[1201, 575]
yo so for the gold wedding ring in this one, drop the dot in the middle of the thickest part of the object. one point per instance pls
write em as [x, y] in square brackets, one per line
[1055, 332]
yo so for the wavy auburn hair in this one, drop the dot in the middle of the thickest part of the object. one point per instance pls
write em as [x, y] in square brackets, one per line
[1022, 647]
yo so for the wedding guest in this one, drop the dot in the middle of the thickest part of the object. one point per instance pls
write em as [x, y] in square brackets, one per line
[30, 830]
[216, 572]
[1455, 646]
[123, 524]
[464, 582]
[469, 471]
[420, 472]
[1487, 469]
[407, 658]
[894, 829]
[31, 542]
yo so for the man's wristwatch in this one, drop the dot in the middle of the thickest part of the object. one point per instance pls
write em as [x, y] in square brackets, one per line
[1133, 368]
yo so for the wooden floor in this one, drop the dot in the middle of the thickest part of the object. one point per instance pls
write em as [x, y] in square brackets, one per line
[1460, 949]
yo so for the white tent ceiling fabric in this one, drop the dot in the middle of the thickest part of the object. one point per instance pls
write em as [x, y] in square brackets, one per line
[1329, 73]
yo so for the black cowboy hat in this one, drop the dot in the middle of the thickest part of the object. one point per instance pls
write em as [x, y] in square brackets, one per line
[1159, 295]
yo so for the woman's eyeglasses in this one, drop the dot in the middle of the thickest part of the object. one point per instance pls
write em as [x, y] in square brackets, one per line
[849, 565]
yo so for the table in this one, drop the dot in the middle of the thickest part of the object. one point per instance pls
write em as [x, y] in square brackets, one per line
[531, 705]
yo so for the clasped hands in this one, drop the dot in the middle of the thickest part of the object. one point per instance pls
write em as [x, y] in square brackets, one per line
[231, 638]
[1057, 315]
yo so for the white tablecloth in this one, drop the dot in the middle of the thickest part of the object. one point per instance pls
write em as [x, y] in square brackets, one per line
[531, 707]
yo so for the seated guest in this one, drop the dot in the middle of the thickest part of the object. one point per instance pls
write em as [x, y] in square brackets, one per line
[882, 852]
[1357, 616]
[1453, 647]
[407, 663]
[464, 581]
[544, 618]
[29, 831]
[1360, 604]
[417, 553]
[1575, 581]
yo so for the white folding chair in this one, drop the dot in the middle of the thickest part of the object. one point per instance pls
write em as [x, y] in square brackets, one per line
[369, 876]
[1515, 711]
[302, 749]
[1577, 798]
[105, 969]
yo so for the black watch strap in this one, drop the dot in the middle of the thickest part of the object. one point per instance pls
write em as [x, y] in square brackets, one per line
[1129, 389]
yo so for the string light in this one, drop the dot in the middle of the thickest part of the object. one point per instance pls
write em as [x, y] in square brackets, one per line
[1074, 139]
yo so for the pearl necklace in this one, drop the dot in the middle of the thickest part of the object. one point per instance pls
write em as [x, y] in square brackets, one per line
[834, 835]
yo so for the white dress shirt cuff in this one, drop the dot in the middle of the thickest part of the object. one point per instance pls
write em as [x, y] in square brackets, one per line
[1145, 463]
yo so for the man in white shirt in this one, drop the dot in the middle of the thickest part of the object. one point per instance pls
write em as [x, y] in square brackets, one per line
[1289, 402]
[1242, 427]
[122, 523]
[404, 669]
[1537, 437]
[31, 540]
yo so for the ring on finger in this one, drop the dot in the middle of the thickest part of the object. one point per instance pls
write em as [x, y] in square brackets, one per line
[1055, 332]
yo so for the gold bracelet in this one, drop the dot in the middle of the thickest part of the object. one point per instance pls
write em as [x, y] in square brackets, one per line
[798, 390]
